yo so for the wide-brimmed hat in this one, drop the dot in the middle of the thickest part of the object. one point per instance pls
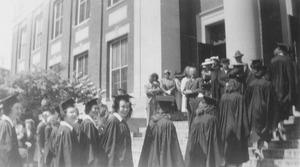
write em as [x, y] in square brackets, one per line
[238, 54]
[215, 58]
[207, 62]
[167, 72]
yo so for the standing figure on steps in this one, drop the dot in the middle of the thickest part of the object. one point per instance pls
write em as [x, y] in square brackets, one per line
[204, 144]
[161, 147]
[116, 140]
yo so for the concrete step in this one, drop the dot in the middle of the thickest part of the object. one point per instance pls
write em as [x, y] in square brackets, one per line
[284, 144]
[272, 163]
[276, 153]
[292, 127]
[292, 135]
[292, 120]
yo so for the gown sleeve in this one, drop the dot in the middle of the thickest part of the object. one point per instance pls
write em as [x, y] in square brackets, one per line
[5, 144]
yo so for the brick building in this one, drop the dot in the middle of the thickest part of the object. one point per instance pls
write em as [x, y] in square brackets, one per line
[118, 43]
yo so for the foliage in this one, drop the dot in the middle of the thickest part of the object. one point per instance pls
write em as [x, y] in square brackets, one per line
[45, 89]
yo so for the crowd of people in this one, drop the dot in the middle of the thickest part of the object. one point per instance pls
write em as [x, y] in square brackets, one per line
[227, 109]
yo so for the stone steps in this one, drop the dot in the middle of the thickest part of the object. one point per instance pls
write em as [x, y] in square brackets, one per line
[277, 154]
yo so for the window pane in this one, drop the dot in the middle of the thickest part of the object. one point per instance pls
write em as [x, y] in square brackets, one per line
[82, 12]
[86, 64]
[115, 55]
[115, 81]
[124, 74]
[88, 9]
[109, 3]
[115, 1]
[124, 52]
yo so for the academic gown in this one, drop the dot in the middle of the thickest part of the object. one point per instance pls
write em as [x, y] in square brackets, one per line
[223, 78]
[67, 148]
[215, 85]
[116, 142]
[204, 144]
[261, 102]
[282, 76]
[161, 147]
[52, 144]
[9, 151]
[47, 153]
[91, 152]
[233, 124]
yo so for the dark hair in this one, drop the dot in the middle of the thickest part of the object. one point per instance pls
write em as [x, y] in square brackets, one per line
[7, 108]
[207, 109]
[63, 114]
[233, 86]
[154, 75]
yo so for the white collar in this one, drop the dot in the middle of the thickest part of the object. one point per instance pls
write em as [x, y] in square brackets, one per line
[89, 118]
[64, 123]
[4, 117]
[118, 116]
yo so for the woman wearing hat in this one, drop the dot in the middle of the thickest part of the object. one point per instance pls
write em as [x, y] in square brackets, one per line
[233, 123]
[9, 150]
[67, 145]
[167, 84]
[116, 140]
[203, 147]
[161, 147]
[238, 58]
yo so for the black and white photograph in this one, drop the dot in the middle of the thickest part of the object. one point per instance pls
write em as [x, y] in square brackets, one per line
[150, 83]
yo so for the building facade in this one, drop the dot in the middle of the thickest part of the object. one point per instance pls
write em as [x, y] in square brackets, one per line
[119, 43]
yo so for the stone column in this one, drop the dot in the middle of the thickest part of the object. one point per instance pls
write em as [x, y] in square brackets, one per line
[242, 26]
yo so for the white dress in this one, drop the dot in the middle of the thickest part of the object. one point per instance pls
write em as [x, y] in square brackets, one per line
[184, 99]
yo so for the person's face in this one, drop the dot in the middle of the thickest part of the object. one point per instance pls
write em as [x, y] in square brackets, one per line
[71, 115]
[28, 125]
[192, 73]
[166, 75]
[94, 110]
[16, 110]
[225, 65]
[238, 59]
[123, 108]
[150, 79]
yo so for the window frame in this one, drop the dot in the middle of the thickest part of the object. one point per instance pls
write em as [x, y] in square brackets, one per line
[21, 45]
[38, 31]
[110, 3]
[87, 11]
[111, 69]
[58, 20]
[85, 56]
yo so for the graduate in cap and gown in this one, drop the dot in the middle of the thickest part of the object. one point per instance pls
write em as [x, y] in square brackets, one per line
[161, 147]
[261, 102]
[67, 146]
[116, 140]
[251, 75]
[9, 150]
[92, 154]
[50, 158]
[282, 76]
[204, 143]
[233, 122]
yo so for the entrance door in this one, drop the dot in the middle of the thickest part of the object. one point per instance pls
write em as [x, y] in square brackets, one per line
[206, 51]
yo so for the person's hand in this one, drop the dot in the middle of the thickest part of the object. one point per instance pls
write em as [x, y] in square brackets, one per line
[28, 144]
[188, 92]
[23, 152]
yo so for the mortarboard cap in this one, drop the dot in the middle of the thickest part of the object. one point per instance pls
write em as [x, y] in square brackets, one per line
[210, 100]
[64, 105]
[9, 101]
[125, 97]
[256, 63]
[282, 46]
[225, 61]
[89, 104]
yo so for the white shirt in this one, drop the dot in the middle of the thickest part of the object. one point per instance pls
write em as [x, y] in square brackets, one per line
[118, 116]
[4, 117]
[64, 123]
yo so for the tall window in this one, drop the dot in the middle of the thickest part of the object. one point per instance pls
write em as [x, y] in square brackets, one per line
[37, 32]
[112, 2]
[57, 18]
[83, 11]
[81, 64]
[22, 42]
[119, 65]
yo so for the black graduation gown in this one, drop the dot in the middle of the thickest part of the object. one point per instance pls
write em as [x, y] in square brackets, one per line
[215, 85]
[282, 76]
[91, 152]
[161, 147]
[41, 135]
[9, 151]
[261, 103]
[67, 148]
[223, 78]
[233, 124]
[204, 144]
[52, 142]
[47, 153]
[116, 142]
